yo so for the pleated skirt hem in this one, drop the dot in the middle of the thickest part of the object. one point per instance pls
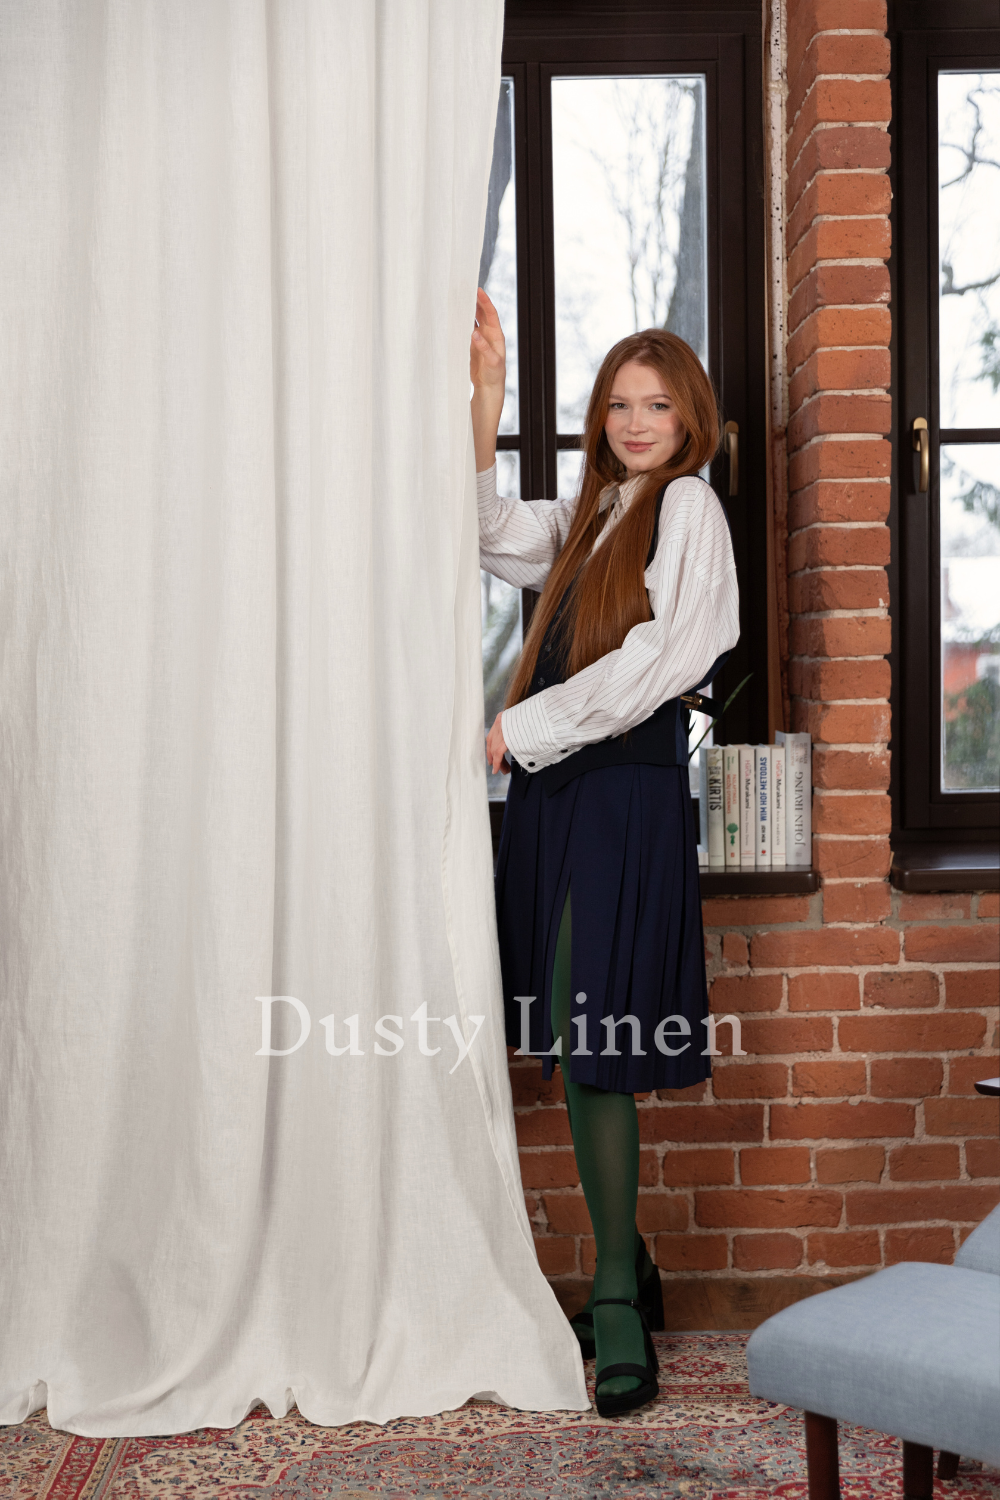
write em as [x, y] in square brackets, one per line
[621, 840]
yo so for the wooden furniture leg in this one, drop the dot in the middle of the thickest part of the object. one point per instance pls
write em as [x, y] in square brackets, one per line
[918, 1471]
[822, 1457]
[947, 1464]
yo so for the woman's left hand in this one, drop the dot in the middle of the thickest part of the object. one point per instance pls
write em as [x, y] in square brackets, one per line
[496, 749]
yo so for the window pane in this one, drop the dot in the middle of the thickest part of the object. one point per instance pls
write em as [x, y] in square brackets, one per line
[569, 471]
[498, 262]
[501, 625]
[970, 616]
[969, 248]
[628, 174]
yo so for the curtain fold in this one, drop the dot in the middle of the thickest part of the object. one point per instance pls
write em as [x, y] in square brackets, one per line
[242, 743]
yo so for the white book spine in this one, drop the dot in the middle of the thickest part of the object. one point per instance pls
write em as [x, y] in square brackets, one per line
[806, 840]
[777, 807]
[703, 798]
[731, 778]
[798, 810]
[748, 807]
[762, 768]
[716, 817]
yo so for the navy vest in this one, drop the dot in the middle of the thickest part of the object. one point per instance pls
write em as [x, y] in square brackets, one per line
[660, 740]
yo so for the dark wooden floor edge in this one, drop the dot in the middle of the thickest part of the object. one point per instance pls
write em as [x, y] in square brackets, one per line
[720, 1303]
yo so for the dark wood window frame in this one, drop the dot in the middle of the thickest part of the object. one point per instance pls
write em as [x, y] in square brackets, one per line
[941, 839]
[546, 38]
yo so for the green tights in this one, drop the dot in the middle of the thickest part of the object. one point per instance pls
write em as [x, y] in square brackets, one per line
[605, 1132]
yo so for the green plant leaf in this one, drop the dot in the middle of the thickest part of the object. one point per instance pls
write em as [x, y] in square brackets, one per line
[722, 710]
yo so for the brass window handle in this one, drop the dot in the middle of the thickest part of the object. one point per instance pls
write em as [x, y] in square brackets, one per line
[922, 445]
[731, 445]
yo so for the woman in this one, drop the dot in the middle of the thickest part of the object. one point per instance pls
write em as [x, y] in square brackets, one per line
[638, 606]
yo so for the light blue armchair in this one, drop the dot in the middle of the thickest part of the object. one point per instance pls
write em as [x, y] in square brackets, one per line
[913, 1351]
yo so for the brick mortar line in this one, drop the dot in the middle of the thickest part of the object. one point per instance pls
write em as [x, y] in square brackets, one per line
[840, 437]
[893, 1184]
[838, 390]
[985, 1009]
[843, 31]
[821, 1054]
[838, 526]
[842, 702]
[985, 1012]
[881, 612]
[860, 970]
[663, 1148]
[875, 391]
[909, 1101]
[835, 568]
[872, 215]
[846, 791]
[827, 171]
[847, 567]
[822, 217]
[845, 260]
[838, 1054]
[879, 76]
[900, 924]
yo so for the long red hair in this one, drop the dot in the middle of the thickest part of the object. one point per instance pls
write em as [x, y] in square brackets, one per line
[608, 596]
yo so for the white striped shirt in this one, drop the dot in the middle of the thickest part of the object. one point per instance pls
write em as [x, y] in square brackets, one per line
[693, 594]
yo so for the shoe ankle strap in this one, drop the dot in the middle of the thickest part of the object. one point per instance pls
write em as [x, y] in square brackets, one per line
[625, 1302]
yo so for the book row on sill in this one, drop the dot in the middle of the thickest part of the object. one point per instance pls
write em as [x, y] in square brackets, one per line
[755, 805]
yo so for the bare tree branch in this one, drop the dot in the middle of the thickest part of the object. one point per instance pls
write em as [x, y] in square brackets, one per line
[949, 289]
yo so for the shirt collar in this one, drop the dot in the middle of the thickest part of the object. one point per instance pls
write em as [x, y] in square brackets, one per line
[612, 493]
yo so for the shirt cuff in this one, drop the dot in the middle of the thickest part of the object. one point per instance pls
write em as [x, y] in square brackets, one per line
[533, 735]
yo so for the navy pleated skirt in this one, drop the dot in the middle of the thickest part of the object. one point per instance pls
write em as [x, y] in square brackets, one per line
[622, 840]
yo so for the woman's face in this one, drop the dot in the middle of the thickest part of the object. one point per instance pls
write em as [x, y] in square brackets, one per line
[642, 426]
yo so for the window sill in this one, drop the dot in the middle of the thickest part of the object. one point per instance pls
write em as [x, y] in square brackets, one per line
[787, 882]
[946, 867]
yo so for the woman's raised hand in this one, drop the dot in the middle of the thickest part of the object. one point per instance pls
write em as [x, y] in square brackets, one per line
[488, 369]
[488, 353]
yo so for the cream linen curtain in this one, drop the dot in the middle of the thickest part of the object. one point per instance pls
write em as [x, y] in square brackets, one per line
[241, 747]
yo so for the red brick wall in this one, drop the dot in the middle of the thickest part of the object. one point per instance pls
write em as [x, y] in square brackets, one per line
[849, 1136]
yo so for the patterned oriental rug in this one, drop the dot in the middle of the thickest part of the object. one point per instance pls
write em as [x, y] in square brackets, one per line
[706, 1438]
